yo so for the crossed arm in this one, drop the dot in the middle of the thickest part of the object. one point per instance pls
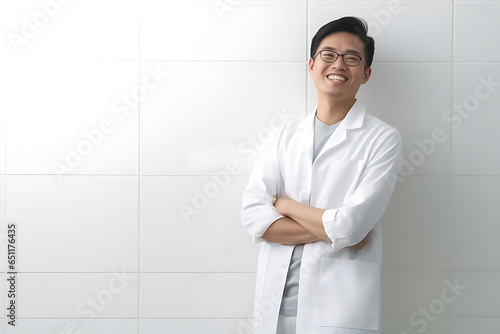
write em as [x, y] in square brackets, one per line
[301, 224]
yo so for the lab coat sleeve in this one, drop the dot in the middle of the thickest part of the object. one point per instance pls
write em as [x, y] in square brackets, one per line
[258, 211]
[348, 224]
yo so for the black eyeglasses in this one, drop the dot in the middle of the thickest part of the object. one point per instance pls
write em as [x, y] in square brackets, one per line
[331, 56]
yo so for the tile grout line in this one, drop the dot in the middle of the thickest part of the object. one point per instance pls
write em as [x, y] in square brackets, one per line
[452, 81]
[139, 178]
[4, 275]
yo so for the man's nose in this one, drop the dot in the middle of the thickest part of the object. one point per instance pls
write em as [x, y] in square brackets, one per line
[338, 63]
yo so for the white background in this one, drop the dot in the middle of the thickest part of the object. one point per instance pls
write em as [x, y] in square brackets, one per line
[228, 70]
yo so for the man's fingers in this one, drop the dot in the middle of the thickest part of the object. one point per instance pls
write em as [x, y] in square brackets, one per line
[360, 244]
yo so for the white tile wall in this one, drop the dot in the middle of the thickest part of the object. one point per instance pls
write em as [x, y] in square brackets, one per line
[401, 324]
[249, 33]
[78, 295]
[62, 117]
[232, 5]
[476, 139]
[213, 80]
[83, 224]
[476, 2]
[470, 324]
[205, 326]
[418, 217]
[480, 297]
[3, 284]
[393, 5]
[50, 30]
[201, 295]
[3, 86]
[405, 291]
[66, 326]
[417, 116]
[202, 214]
[474, 28]
[408, 295]
[475, 229]
[208, 113]
[3, 225]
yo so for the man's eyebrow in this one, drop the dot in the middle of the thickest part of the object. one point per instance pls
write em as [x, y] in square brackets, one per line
[347, 51]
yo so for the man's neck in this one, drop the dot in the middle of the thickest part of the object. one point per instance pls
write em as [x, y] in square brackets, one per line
[331, 111]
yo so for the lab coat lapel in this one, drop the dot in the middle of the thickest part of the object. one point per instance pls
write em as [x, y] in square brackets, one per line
[353, 120]
[306, 137]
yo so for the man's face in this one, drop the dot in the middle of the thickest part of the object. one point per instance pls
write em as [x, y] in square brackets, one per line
[337, 79]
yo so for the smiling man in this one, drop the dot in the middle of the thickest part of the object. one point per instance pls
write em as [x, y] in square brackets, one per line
[315, 199]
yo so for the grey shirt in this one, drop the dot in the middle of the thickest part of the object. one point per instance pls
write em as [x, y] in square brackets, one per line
[322, 133]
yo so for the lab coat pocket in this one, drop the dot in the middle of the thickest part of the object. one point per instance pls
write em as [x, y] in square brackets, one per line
[349, 294]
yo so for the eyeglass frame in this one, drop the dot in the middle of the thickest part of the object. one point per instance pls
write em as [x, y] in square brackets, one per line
[343, 59]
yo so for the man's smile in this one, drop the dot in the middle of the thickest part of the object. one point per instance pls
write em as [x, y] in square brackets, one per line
[336, 77]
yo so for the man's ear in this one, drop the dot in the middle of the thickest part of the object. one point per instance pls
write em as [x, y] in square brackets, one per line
[311, 65]
[368, 73]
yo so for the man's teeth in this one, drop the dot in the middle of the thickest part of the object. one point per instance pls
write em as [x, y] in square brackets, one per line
[336, 77]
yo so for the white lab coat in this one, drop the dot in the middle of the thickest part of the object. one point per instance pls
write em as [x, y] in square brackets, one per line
[353, 177]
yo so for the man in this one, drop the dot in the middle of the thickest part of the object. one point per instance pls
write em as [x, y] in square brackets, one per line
[315, 199]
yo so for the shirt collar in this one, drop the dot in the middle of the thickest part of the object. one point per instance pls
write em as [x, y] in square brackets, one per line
[353, 119]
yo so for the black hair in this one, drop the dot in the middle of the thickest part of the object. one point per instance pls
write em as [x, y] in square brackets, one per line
[350, 24]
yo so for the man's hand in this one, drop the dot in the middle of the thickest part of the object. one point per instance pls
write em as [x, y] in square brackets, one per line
[360, 244]
[281, 205]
